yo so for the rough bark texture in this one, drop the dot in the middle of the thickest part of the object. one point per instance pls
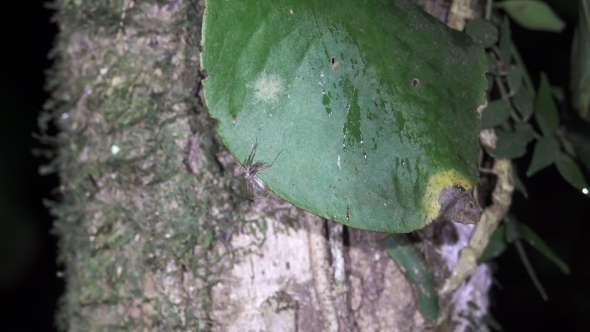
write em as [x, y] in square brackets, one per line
[155, 233]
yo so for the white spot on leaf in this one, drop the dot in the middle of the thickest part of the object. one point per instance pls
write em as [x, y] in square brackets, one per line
[267, 88]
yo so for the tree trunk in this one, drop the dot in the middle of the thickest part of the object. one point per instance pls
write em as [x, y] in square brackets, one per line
[155, 232]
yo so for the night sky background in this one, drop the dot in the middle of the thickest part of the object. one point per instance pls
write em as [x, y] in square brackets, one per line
[29, 287]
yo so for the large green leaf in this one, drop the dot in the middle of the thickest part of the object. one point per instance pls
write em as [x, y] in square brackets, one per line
[373, 104]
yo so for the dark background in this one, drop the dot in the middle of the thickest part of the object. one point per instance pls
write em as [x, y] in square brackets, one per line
[30, 288]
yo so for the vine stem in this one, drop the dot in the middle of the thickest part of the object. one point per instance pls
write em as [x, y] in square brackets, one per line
[491, 217]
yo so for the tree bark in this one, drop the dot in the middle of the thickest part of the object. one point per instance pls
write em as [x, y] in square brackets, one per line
[155, 232]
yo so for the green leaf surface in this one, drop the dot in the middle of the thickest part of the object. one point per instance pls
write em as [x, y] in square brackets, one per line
[545, 108]
[373, 105]
[401, 250]
[546, 152]
[512, 144]
[496, 245]
[523, 102]
[571, 172]
[532, 14]
[496, 113]
[482, 31]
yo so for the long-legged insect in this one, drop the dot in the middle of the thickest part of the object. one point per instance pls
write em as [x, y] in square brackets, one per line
[253, 185]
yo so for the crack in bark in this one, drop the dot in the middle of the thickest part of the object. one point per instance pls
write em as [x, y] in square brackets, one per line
[328, 268]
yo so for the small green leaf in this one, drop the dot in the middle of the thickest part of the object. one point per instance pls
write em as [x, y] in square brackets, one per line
[523, 102]
[483, 32]
[545, 153]
[494, 65]
[533, 15]
[496, 245]
[575, 138]
[568, 146]
[585, 159]
[512, 232]
[492, 322]
[518, 185]
[546, 110]
[571, 172]
[490, 79]
[401, 250]
[514, 79]
[505, 43]
[496, 113]
[509, 146]
[208, 240]
[525, 131]
[513, 235]
[512, 144]
[580, 64]
[557, 92]
[529, 269]
[527, 234]
[583, 152]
